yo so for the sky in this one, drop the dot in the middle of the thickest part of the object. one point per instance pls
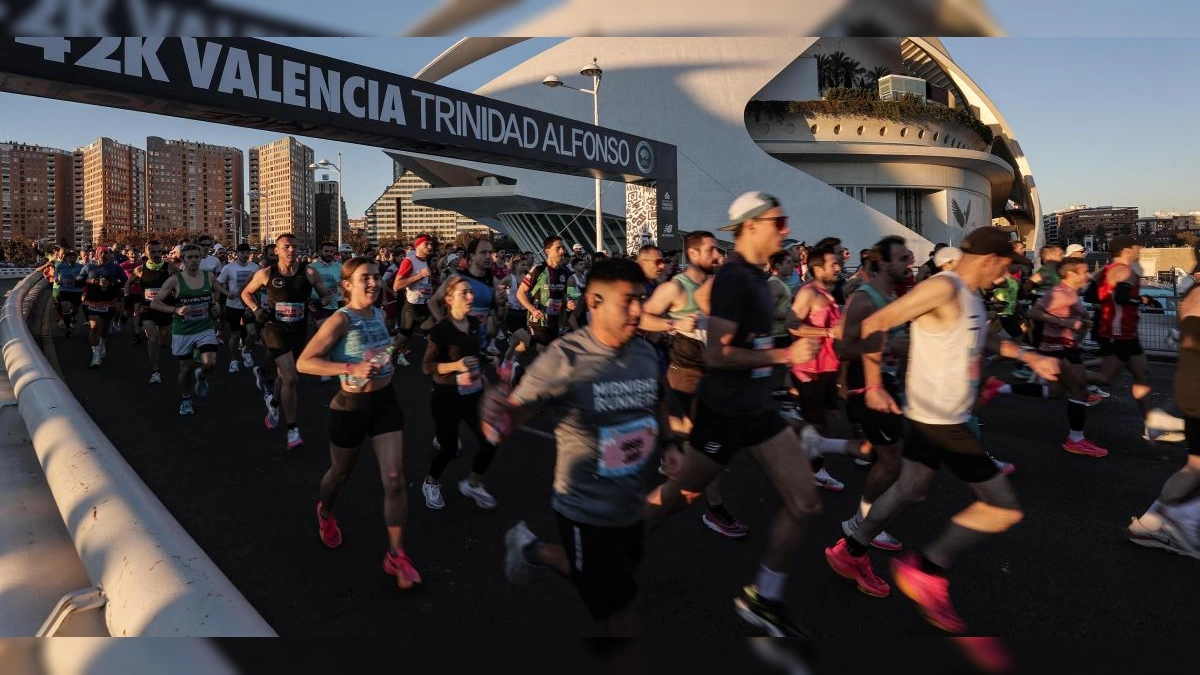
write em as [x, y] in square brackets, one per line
[1103, 121]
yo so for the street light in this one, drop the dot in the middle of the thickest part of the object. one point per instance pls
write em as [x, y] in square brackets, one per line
[337, 205]
[593, 71]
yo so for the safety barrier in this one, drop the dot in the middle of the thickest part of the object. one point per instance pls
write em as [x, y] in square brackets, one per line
[157, 581]
[15, 272]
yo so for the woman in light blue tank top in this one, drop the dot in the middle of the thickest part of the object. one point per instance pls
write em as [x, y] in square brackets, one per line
[355, 345]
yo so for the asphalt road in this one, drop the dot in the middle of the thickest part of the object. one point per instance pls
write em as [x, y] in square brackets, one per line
[1067, 570]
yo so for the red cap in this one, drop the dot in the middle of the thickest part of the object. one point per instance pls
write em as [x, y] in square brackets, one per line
[420, 240]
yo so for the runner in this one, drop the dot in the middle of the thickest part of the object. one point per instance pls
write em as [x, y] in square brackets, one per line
[68, 291]
[234, 277]
[543, 293]
[192, 326]
[886, 264]
[478, 276]
[414, 277]
[102, 283]
[613, 418]
[355, 346]
[733, 409]
[155, 325]
[288, 285]
[262, 382]
[331, 274]
[949, 334]
[673, 308]
[134, 298]
[452, 359]
[516, 317]
[1173, 521]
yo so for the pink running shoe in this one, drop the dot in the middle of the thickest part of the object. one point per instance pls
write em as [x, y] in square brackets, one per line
[1084, 447]
[331, 535]
[991, 389]
[857, 570]
[929, 591]
[401, 566]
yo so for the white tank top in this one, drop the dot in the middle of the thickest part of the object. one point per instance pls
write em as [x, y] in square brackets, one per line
[420, 292]
[944, 368]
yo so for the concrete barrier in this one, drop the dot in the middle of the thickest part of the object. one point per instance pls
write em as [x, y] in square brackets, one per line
[157, 580]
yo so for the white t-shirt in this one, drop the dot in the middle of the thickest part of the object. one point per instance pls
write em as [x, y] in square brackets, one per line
[235, 277]
[210, 263]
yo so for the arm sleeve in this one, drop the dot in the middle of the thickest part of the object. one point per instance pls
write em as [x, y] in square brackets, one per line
[1124, 295]
[547, 378]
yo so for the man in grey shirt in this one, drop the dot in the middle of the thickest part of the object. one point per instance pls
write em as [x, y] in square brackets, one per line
[605, 389]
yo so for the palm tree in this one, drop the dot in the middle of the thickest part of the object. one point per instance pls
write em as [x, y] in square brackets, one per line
[841, 69]
[871, 78]
[824, 72]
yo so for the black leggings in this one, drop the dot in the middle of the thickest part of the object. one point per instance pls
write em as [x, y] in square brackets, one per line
[449, 409]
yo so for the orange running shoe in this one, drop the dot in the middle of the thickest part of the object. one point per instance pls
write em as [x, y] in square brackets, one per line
[929, 591]
[1084, 447]
[401, 566]
[857, 570]
[331, 535]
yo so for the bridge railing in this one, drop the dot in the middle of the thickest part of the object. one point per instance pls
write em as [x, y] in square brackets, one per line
[157, 581]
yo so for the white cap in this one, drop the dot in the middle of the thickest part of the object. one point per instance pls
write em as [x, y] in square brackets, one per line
[748, 205]
[577, 247]
[218, 247]
[1073, 249]
[947, 254]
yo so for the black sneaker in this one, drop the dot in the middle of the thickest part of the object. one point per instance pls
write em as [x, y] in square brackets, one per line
[769, 615]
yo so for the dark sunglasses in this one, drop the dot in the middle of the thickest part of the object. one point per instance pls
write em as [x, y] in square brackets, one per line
[781, 222]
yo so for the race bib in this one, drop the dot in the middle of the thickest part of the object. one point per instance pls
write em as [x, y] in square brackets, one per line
[150, 293]
[553, 307]
[195, 312]
[97, 306]
[624, 448]
[470, 382]
[763, 343]
[289, 312]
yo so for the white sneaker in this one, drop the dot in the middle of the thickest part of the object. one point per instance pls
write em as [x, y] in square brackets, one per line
[185, 407]
[1160, 420]
[96, 360]
[400, 359]
[271, 421]
[1184, 535]
[247, 360]
[1157, 436]
[294, 440]
[516, 540]
[882, 541]
[482, 498]
[433, 495]
[1093, 389]
[824, 480]
[233, 366]
[155, 378]
[201, 382]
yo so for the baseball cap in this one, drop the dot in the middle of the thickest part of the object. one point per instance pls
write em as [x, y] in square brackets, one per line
[242, 247]
[990, 241]
[1073, 250]
[789, 243]
[218, 247]
[577, 247]
[748, 205]
[947, 254]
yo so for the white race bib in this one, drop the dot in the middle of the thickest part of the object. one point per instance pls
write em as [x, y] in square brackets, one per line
[150, 293]
[289, 312]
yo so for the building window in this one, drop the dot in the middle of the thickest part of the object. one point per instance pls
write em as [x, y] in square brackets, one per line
[908, 209]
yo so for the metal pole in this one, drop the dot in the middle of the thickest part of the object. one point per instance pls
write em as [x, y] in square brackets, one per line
[599, 207]
[338, 204]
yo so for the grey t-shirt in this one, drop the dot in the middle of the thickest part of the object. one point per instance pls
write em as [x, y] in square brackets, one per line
[608, 399]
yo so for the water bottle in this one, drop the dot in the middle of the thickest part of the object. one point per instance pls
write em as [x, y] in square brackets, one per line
[381, 359]
[496, 432]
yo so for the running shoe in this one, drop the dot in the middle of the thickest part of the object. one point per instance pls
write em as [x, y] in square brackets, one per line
[293, 439]
[769, 615]
[824, 480]
[1160, 420]
[97, 360]
[331, 534]
[991, 389]
[433, 495]
[483, 499]
[233, 366]
[247, 359]
[272, 419]
[857, 570]
[882, 541]
[201, 382]
[1159, 436]
[929, 591]
[401, 566]
[1186, 539]
[1093, 389]
[1150, 535]
[258, 378]
[731, 528]
[1084, 447]
[401, 360]
[789, 411]
[185, 407]
[1006, 468]
[516, 540]
[156, 377]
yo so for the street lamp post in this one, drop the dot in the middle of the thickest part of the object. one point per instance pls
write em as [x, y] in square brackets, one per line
[337, 205]
[593, 71]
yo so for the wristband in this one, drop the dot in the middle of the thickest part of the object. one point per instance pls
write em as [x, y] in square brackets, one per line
[346, 369]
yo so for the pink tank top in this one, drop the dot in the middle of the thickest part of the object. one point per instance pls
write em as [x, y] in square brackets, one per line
[827, 317]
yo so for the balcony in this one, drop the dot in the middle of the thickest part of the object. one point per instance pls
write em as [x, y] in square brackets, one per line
[886, 122]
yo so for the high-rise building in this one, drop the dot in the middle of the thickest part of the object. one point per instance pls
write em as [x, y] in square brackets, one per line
[395, 215]
[1102, 222]
[1050, 228]
[194, 186]
[110, 196]
[36, 193]
[281, 192]
[325, 215]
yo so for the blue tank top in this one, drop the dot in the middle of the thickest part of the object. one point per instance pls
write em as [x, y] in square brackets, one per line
[365, 339]
[481, 306]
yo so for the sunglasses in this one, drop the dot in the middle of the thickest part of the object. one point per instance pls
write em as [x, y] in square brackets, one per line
[781, 222]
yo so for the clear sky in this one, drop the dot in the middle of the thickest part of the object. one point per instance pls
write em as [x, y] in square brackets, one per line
[1104, 121]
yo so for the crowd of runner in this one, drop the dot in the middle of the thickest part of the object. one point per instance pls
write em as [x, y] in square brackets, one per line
[657, 370]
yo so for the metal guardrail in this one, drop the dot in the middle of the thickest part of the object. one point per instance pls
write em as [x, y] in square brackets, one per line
[157, 580]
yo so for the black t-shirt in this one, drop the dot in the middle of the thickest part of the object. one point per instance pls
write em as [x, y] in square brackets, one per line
[448, 344]
[1187, 381]
[740, 294]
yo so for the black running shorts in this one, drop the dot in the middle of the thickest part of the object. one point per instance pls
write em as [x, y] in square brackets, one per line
[353, 417]
[953, 444]
[1122, 349]
[603, 562]
[720, 436]
[818, 397]
[1191, 430]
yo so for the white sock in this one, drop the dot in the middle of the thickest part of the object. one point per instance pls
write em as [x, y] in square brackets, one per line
[1075, 435]
[1004, 389]
[770, 583]
[1160, 420]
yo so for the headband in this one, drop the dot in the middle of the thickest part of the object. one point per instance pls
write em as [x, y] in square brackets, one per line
[420, 240]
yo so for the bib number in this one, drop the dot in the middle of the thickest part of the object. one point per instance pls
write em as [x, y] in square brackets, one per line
[149, 293]
[553, 307]
[763, 343]
[624, 448]
[470, 382]
[195, 312]
[289, 312]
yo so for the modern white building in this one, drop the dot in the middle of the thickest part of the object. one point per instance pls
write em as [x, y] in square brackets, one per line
[746, 114]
